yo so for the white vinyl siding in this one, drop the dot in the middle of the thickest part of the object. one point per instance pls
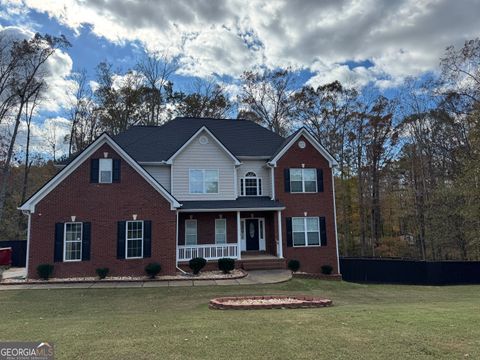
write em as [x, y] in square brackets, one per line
[220, 231]
[208, 156]
[190, 232]
[260, 168]
[161, 173]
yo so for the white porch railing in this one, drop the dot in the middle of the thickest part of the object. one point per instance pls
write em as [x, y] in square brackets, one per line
[208, 252]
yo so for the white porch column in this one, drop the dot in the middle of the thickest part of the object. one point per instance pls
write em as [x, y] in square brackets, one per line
[239, 242]
[280, 238]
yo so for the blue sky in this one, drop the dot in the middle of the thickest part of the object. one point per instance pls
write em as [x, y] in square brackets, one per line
[365, 43]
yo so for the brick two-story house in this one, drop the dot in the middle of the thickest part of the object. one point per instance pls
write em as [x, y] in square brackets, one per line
[193, 187]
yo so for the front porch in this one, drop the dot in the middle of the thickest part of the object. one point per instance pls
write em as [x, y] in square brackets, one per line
[247, 235]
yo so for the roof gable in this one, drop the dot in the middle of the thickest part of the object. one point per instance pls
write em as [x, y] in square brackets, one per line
[196, 135]
[29, 205]
[293, 138]
[154, 144]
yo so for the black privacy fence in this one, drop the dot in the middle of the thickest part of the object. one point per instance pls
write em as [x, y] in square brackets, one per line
[19, 251]
[398, 271]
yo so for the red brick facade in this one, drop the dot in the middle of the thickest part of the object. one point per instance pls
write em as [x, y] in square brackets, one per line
[316, 204]
[103, 205]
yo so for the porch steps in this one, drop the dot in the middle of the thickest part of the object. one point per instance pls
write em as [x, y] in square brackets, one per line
[263, 264]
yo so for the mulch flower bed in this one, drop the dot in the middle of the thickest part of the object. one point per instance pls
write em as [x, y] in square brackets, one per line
[268, 302]
[304, 275]
[204, 275]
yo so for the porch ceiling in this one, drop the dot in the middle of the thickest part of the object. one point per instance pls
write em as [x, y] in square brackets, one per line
[242, 203]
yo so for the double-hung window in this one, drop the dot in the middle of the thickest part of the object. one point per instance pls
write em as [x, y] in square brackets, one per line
[303, 180]
[306, 231]
[250, 185]
[203, 181]
[73, 241]
[134, 240]
[190, 232]
[105, 171]
[220, 231]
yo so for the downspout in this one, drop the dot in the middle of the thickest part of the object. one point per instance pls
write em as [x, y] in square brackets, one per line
[335, 221]
[28, 241]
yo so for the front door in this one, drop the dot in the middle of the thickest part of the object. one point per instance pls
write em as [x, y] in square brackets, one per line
[251, 234]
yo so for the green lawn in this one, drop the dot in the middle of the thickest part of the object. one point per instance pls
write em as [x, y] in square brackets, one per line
[366, 322]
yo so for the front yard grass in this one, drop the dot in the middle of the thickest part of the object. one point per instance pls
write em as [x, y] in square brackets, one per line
[366, 322]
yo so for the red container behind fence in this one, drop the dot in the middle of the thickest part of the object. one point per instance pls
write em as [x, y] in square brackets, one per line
[6, 256]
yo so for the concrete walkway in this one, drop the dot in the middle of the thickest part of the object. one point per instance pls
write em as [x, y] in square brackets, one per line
[254, 277]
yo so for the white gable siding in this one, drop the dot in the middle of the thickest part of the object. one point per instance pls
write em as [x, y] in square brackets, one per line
[260, 168]
[161, 173]
[203, 156]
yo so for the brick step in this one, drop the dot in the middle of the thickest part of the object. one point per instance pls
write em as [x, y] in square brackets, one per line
[264, 264]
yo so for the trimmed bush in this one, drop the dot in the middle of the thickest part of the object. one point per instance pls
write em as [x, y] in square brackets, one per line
[327, 269]
[153, 269]
[44, 271]
[102, 273]
[197, 264]
[226, 265]
[294, 265]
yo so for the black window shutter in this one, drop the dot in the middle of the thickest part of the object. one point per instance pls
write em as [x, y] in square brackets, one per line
[319, 180]
[121, 239]
[286, 175]
[58, 250]
[323, 232]
[241, 187]
[147, 239]
[87, 226]
[116, 170]
[288, 222]
[94, 168]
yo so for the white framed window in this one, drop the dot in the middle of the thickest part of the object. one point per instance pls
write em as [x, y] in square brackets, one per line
[306, 231]
[220, 231]
[134, 240]
[303, 180]
[72, 241]
[203, 181]
[105, 171]
[250, 185]
[190, 232]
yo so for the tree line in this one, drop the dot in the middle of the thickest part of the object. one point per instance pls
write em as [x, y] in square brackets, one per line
[407, 180]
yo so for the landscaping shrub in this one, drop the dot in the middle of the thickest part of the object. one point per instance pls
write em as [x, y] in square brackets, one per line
[153, 269]
[44, 271]
[197, 264]
[102, 272]
[294, 265]
[327, 269]
[226, 265]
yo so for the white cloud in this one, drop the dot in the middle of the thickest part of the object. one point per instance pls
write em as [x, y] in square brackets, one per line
[400, 38]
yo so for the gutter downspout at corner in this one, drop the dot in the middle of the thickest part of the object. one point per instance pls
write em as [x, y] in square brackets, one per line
[29, 214]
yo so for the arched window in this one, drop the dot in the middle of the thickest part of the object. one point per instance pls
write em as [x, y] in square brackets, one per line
[250, 185]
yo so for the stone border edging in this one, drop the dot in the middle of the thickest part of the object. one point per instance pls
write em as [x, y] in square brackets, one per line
[307, 303]
[190, 278]
[335, 277]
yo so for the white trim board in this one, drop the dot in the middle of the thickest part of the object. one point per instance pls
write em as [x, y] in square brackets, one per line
[331, 160]
[231, 209]
[29, 205]
[219, 143]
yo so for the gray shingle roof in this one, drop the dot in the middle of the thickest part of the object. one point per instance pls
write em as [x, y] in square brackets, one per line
[248, 202]
[158, 143]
